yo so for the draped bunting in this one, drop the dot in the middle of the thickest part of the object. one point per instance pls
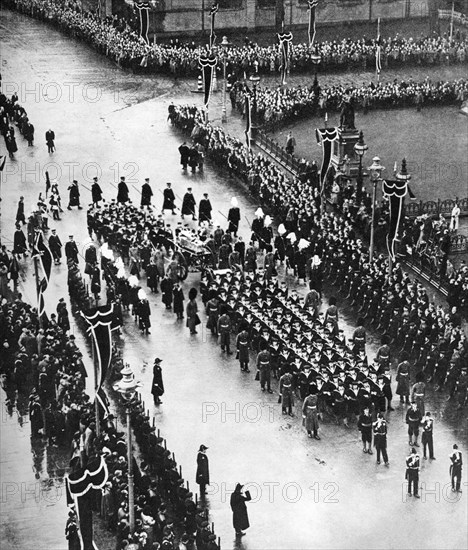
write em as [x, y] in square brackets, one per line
[43, 253]
[208, 64]
[213, 12]
[312, 5]
[325, 137]
[248, 117]
[93, 476]
[143, 11]
[284, 40]
[395, 190]
[378, 51]
[100, 326]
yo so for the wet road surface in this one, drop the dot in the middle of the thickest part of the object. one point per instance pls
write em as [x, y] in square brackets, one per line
[307, 494]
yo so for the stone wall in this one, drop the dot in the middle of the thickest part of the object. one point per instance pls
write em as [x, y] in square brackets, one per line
[186, 16]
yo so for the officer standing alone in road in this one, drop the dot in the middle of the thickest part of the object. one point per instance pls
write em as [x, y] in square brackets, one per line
[203, 472]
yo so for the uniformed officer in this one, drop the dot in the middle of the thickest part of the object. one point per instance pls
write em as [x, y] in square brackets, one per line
[263, 366]
[365, 427]
[412, 473]
[413, 419]
[224, 330]
[456, 469]
[380, 438]
[427, 431]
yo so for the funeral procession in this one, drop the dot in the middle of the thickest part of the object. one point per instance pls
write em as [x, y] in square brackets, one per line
[233, 274]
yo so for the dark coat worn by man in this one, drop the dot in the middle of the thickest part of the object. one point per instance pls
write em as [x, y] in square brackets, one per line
[71, 251]
[204, 209]
[240, 518]
[157, 387]
[146, 194]
[96, 192]
[188, 204]
[55, 245]
[122, 195]
[203, 473]
[169, 199]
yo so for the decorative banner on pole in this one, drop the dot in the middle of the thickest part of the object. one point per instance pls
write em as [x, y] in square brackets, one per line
[143, 10]
[248, 118]
[78, 485]
[213, 12]
[284, 40]
[378, 51]
[100, 325]
[93, 476]
[208, 64]
[325, 137]
[395, 190]
[312, 5]
[43, 253]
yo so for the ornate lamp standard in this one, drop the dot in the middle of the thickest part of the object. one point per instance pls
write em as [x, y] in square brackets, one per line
[127, 387]
[225, 45]
[360, 148]
[316, 58]
[376, 170]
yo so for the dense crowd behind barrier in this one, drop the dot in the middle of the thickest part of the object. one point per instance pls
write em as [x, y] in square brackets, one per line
[118, 41]
[46, 363]
[280, 105]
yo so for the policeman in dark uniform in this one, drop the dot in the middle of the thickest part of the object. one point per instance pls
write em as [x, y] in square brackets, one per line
[427, 432]
[365, 427]
[456, 469]
[263, 365]
[412, 473]
[380, 438]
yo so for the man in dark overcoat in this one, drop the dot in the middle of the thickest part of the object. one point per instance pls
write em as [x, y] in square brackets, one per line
[240, 518]
[157, 387]
[203, 473]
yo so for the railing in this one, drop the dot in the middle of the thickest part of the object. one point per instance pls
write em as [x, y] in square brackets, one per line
[412, 209]
[275, 150]
[434, 208]
[425, 265]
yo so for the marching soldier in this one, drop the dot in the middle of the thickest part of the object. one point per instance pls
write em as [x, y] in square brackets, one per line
[426, 439]
[359, 337]
[263, 366]
[412, 473]
[310, 414]
[242, 344]
[286, 393]
[413, 419]
[365, 427]
[380, 438]
[224, 330]
[456, 469]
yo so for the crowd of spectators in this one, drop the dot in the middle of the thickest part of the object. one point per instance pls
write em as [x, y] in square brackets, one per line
[115, 38]
[45, 362]
[279, 105]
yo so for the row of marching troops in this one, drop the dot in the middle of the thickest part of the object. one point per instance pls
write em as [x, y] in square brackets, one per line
[433, 345]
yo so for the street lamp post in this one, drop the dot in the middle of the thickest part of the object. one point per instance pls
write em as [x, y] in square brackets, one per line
[254, 79]
[316, 59]
[402, 175]
[127, 387]
[376, 170]
[225, 45]
[360, 148]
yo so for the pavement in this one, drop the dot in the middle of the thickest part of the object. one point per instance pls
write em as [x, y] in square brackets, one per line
[306, 494]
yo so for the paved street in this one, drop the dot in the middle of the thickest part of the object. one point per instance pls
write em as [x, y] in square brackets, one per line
[307, 494]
